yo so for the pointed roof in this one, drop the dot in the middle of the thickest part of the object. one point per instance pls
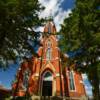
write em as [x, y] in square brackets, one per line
[50, 27]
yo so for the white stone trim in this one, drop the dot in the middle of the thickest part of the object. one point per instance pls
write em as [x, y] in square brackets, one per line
[36, 74]
[57, 74]
[46, 66]
[54, 88]
[81, 82]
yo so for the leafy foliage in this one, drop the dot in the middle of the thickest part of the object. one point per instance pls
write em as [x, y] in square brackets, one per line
[81, 30]
[18, 18]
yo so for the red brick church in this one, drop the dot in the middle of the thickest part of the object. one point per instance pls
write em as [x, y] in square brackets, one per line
[45, 75]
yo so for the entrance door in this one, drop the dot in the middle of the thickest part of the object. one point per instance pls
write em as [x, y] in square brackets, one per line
[47, 84]
[47, 88]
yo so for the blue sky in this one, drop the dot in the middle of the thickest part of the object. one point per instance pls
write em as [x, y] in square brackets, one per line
[7, 76]
[68, 4]
[59, 9]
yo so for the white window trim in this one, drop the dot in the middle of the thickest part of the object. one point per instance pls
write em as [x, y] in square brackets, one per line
[57, 74]
[73, 81]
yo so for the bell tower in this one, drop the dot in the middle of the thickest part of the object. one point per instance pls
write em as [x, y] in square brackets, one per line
[50, 61]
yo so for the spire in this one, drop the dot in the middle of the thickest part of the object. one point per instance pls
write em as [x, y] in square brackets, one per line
[50, 26]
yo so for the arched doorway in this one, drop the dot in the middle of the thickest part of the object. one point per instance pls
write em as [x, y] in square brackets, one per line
[47, 84]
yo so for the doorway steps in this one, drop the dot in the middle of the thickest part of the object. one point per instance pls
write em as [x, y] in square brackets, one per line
[58, 98]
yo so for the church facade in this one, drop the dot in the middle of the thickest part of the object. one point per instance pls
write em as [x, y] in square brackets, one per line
[45, 75]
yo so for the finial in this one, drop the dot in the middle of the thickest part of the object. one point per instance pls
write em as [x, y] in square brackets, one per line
[51, 16]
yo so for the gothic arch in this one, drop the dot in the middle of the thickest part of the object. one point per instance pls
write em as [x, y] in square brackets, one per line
[52, 39]
[48, 66]
[46, 83]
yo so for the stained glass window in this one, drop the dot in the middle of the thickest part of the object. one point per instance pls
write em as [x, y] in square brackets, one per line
[26, 75]
[48, 54]
[71, 81]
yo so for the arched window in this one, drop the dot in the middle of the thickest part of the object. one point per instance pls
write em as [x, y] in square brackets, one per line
[26, 75]
[48, 54]
[47, 76]
[49, 43]
[49, 29]
[71, 81]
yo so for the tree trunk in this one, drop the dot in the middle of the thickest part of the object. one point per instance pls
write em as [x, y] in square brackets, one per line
[95, 85]
[94, 79]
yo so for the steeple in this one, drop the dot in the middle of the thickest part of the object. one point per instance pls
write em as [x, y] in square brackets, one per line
[50, 26]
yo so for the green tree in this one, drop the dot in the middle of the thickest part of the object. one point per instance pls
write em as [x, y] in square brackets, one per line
[81, 33]
[17, 20]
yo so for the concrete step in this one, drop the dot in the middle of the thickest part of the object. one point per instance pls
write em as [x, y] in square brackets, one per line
[58, 98]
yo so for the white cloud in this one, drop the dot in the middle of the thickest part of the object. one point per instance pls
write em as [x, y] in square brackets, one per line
[84, 76]
[58, 19]
[53, 7]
